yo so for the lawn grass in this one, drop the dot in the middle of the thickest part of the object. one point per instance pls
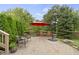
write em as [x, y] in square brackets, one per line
[76, 42]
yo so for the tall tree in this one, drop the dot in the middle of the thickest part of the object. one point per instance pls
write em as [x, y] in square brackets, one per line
[63, 19]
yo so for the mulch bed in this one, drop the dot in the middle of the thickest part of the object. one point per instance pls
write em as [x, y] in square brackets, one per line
[2, 52]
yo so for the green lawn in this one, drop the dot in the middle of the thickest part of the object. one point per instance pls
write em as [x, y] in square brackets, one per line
[76, 42]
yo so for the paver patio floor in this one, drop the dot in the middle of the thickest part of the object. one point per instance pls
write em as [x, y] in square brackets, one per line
[42, 46]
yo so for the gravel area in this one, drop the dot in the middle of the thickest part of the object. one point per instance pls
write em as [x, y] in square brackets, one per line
[42, 46]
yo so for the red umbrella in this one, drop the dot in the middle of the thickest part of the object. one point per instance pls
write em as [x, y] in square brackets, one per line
[39, 24]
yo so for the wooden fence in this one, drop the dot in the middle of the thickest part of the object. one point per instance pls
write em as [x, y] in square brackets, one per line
[4, 41]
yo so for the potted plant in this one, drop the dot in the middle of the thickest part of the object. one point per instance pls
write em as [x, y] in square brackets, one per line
[13, 47]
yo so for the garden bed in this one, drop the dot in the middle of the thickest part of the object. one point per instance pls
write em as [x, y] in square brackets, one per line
[72, 43]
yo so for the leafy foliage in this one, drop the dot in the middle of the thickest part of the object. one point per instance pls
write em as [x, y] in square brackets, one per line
[64, 20]
[15, 22]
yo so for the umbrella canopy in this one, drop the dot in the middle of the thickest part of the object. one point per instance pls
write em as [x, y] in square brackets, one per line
[39, 24]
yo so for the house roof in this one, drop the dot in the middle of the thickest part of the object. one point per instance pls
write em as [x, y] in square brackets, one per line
[39, 24]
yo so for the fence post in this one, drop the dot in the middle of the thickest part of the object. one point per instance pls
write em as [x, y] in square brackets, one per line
[7, 44]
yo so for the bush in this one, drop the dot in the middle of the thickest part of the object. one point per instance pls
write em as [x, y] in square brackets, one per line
[13, 45]
[14, 23]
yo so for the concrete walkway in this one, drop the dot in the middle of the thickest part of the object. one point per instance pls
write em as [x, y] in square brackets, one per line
[42, 46]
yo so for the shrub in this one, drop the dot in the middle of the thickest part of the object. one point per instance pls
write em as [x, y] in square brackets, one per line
[13, 45]
[15, 22]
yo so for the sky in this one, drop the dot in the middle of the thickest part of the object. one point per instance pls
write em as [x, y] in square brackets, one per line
[36, 10]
